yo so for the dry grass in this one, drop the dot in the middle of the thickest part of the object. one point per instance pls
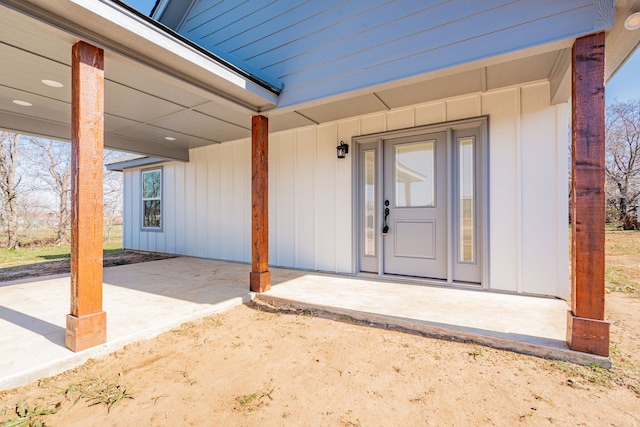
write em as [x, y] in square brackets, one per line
[622, 272]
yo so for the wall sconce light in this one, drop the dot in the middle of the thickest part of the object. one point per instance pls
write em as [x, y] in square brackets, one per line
[343, 149]
[633, 21]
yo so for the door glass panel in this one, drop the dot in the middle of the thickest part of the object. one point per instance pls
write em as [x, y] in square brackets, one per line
[369, 202]
[414, 174]
[466, 175]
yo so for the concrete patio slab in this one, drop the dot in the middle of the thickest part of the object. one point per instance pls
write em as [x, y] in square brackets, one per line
[520, 323]
[144, 300]
[141, 301]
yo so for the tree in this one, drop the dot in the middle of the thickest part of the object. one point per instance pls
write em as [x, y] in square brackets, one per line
[113, 192]
[45, 192]
[9, 186]
[623, 161]
[51, 164]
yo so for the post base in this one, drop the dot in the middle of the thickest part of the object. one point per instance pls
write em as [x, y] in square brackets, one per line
[260, 282]
[86, 331]
[587, 335]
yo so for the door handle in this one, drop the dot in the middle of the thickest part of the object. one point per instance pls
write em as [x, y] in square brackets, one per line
[385, 228]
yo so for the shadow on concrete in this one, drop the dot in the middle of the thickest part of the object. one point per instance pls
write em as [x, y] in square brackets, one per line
[53, 333]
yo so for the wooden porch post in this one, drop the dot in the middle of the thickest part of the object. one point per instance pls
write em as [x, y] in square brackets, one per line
[586, 329]
[260, 277]
[87, 323]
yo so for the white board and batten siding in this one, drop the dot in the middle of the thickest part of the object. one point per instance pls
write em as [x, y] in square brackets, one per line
[207, 202]
[206, 211]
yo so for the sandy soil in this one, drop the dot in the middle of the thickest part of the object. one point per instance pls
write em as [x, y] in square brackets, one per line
[260, 366]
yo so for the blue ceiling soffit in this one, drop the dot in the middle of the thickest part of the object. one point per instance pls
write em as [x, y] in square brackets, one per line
[245, 70]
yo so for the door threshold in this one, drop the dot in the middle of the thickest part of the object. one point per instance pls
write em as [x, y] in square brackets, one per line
[414, 280]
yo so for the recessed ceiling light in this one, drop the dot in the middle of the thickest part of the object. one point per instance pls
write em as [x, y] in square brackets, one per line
[22, 103]
[633, 21]
[169, 138]
[52, 83]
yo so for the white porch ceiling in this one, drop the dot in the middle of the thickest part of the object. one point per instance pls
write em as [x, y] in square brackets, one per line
[550, 62]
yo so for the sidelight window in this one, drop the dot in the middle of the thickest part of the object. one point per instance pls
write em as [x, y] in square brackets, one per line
[466, 204]
[369, 208]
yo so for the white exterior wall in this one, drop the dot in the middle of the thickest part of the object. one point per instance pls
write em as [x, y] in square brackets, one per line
[207, 202]
[206, 205]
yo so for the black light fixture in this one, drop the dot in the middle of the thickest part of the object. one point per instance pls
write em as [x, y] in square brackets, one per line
[343, 149]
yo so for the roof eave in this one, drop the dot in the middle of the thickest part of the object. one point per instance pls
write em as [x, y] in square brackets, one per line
[119, 28]
[135, 163]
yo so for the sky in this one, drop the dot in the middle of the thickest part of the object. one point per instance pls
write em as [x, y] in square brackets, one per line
[143, 6]
[624, 86]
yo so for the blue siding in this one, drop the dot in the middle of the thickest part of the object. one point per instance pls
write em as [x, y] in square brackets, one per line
[326, 79]
[436, 33]
[323, 48]
[203, 22]
[325, 32]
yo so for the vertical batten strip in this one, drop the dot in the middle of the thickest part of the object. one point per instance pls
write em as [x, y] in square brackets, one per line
[518, 177]
[562, 207]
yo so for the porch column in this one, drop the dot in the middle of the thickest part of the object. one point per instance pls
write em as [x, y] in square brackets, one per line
[586, 329]
[87, 323]
[260, 277]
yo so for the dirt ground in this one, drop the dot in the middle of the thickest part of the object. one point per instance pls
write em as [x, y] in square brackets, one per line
[60, 267]
[260, 366]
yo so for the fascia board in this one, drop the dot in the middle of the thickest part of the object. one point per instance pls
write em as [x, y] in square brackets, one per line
[128, 164]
